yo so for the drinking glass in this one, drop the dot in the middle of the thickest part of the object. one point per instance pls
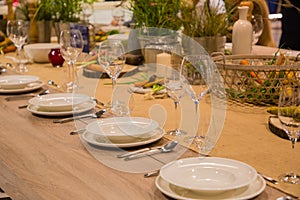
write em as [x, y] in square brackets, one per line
[118, 15]
[289, 117]
[195, 73]
[112, 59]
[175, 90]
[17, 31]
[257, 26]
[71, 46]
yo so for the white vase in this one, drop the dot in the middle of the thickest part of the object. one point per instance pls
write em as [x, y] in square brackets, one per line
[242, 33]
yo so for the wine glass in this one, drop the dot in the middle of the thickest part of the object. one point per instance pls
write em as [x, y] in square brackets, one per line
[175, 90]
[289, 117]
[71, 46]
[17, 31]
[87, 11]
[257, 27]
[112, 59]
[118, 15]
[195, 73]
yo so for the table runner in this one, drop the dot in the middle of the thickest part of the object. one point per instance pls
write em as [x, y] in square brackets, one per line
[245, 135]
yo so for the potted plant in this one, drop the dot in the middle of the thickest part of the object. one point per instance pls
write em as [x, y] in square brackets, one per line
[206, 22]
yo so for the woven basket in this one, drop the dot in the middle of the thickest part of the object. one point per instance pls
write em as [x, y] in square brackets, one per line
[258, 82]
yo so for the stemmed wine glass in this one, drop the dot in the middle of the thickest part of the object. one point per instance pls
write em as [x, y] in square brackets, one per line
[71, 46]
[118, 15]
[289, 117]
[257, 26]
[17, 31]
[195, 73]
[174, 87]
[112, 59]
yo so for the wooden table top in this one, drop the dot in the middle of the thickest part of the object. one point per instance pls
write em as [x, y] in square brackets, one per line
[40, 160]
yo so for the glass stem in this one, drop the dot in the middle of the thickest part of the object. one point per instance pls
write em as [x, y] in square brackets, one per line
[176, 103]
[71, 76]
[114, 82]
[293, 140]
[196, 105]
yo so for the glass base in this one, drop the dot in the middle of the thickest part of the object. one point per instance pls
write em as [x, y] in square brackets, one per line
[22, 68]
[291, 178]
[176, 132]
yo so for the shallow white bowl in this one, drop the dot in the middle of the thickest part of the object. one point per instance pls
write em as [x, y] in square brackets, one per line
[59, 102]
[209, 175]
[16, 81]
[38, 52]
[123, 129]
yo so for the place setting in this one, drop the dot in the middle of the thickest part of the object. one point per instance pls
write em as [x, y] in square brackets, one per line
[16, 84]
[60, 104]
[122, 132]
[209, 178]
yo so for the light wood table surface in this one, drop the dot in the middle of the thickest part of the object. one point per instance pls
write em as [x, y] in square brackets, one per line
[40, 160]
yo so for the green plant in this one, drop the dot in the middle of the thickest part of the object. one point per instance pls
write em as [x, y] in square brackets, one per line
[205, 20]
[156, 13]
[44, 10]
[56, 10]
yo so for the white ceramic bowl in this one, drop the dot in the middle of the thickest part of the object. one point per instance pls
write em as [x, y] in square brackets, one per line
[16, 81]
[208, 175]
[123, 129]
[38, 52]
[59, 102]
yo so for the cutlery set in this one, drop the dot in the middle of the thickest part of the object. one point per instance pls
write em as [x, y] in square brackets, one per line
[148, 151]
[93, 115]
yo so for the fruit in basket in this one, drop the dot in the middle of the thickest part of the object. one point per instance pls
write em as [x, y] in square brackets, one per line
[102, 35]
[7, 46]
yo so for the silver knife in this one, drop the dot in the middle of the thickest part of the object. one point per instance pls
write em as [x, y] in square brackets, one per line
[164, 149]
[92, 115]
[136, 152]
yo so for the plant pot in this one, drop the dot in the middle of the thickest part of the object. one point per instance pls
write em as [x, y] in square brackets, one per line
[59, 26]
[44, 31]
[212, 43]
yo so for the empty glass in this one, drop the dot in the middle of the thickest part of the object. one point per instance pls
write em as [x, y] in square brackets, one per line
[17, 31]
[174, 87]
[257, 26]
[71, 45]
[195, 70]
[112, 59]
[289, 117]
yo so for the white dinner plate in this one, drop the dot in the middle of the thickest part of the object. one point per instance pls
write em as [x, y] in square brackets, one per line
[11, 82]
[123, 127]
[208, 175]
[101, 141]
[141, 90]
[29, 87]
[247, 192]
[59, 101]
[83, 107]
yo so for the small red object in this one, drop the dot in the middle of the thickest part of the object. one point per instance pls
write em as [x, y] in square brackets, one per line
[56, 58]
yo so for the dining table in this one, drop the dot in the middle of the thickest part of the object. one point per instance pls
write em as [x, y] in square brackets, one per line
[40, 159]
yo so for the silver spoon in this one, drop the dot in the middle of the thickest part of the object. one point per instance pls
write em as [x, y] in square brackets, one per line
[93, 115]
[51, 82]
[164, 149]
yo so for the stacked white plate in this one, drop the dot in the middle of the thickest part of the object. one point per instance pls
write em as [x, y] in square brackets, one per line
[60, 104]
[122, 132]
[209, 178]
[19, 83]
